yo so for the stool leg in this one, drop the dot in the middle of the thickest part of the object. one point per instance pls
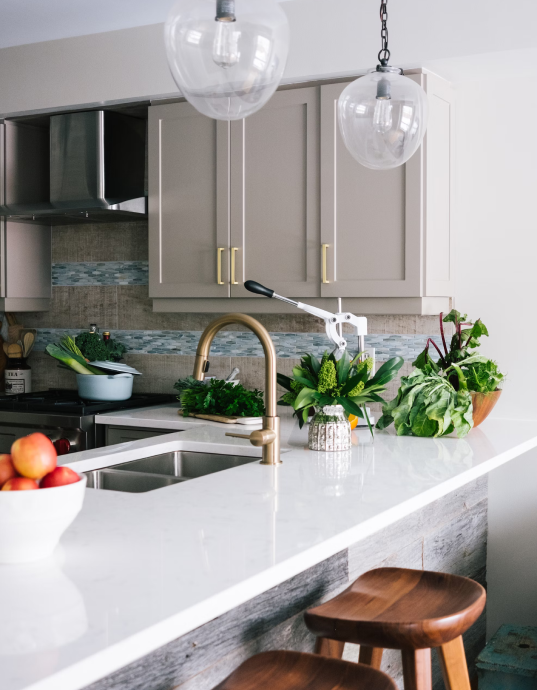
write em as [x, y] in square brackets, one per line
[371, 656]
[417, 669]
[331, 648]
[453, 664]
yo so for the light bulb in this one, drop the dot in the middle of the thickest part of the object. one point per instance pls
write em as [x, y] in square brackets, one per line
[382, 118]
[226, 44]
[227, 57]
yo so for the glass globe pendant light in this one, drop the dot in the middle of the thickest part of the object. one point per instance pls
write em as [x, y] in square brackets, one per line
[383, 115]
[227, 56]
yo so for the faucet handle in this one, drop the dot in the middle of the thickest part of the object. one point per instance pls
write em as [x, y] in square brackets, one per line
[259, 437]
[239, 436]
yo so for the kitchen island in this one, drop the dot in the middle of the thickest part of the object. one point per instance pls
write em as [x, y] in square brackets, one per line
[173, 588]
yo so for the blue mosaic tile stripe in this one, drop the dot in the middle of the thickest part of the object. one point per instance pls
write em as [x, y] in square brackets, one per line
[101, 273]
[238, 344]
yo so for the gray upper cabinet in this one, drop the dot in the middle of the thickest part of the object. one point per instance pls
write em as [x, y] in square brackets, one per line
[25, 248]
[387, 233]
[277, 198]
[188, 203]
[275, 237]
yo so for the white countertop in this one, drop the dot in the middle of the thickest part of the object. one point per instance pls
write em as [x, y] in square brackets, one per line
[160, 417]
[136, 571]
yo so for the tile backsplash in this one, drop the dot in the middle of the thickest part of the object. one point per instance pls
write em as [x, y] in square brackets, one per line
[100, 276]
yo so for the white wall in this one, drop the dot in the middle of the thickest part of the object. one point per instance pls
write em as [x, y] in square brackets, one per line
[495, 206]
[339, 36]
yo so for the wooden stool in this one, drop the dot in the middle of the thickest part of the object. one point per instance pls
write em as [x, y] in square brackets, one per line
[296, 671]
[410, 610]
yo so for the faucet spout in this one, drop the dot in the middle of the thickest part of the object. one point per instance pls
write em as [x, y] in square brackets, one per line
[269, 436]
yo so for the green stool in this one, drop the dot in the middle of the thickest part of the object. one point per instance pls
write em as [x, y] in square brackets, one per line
[509, 661]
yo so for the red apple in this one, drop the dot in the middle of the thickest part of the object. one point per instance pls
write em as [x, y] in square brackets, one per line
[59, 477]
[7, 469]
[34, 456]
[19, 484]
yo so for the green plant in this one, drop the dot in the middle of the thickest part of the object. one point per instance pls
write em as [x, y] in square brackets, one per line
[482, 374]
[116, 350]
[427, 404]
[69, 355]
[94, 349]
[343, 382]
[92, 346]
[483, 377]
[187, 383]
[219, 398]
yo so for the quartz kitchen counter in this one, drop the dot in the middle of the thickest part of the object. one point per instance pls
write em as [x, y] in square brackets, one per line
[160, 417]
[136, 571]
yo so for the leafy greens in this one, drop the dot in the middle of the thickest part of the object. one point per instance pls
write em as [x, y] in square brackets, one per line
[428, 405]
[219, 398]
[482, 374]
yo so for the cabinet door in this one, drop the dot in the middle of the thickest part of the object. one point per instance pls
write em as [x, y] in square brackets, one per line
[275, 196]
[371, 220]
[188, 203]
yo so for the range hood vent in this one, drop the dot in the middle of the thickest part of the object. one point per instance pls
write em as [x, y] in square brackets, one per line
[96, 169]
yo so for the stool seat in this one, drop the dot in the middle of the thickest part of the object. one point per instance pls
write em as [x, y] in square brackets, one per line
[397, 608]
[297, 671]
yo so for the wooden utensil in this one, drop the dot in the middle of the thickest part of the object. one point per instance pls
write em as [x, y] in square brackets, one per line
[14, 351]
[28, 342]
[14, 329]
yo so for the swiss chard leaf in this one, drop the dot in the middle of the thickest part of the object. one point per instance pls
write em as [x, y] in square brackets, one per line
[455, 317]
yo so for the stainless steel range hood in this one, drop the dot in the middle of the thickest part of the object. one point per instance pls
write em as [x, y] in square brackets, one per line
[96, 166]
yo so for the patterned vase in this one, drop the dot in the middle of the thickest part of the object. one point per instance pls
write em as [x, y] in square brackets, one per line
[330, 429]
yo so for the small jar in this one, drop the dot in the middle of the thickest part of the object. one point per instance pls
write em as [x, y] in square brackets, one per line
[330, 429]
[18, 377]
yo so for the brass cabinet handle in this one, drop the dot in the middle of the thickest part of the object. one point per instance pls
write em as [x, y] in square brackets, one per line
[325, 247]
[233, 250]
[219, 266]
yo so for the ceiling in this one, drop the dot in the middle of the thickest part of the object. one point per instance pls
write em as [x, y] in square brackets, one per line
[33, 21]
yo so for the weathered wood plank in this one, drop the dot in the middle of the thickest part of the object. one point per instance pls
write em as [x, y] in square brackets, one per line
[386, 546]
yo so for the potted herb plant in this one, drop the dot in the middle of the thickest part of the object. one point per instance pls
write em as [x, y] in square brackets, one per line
[334, 387]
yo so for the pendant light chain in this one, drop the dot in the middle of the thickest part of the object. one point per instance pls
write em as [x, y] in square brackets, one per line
[384, 53]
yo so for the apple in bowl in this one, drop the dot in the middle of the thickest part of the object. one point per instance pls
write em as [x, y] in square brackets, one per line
[32, 522]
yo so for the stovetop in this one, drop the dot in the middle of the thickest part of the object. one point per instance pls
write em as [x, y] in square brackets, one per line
[68, 402]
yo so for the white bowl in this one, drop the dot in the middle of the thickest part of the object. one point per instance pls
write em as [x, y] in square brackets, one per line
[32, 522]
[98, 387]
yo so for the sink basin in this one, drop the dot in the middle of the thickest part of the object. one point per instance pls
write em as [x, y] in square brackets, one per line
[132, 482]
[159, 471]
[185, 464]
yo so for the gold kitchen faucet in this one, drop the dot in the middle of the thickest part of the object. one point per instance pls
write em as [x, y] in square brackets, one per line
[269, 436]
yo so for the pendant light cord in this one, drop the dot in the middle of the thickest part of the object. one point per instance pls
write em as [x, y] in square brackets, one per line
[384, 53]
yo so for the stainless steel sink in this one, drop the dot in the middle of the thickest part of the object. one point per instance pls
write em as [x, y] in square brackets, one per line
[159, 471]
[132, 482]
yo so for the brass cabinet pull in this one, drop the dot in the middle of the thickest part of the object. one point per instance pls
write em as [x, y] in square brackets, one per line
[219, 266]
[325, 247]
[233, 250]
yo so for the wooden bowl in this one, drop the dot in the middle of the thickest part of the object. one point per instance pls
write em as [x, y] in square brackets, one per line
[483, 404]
